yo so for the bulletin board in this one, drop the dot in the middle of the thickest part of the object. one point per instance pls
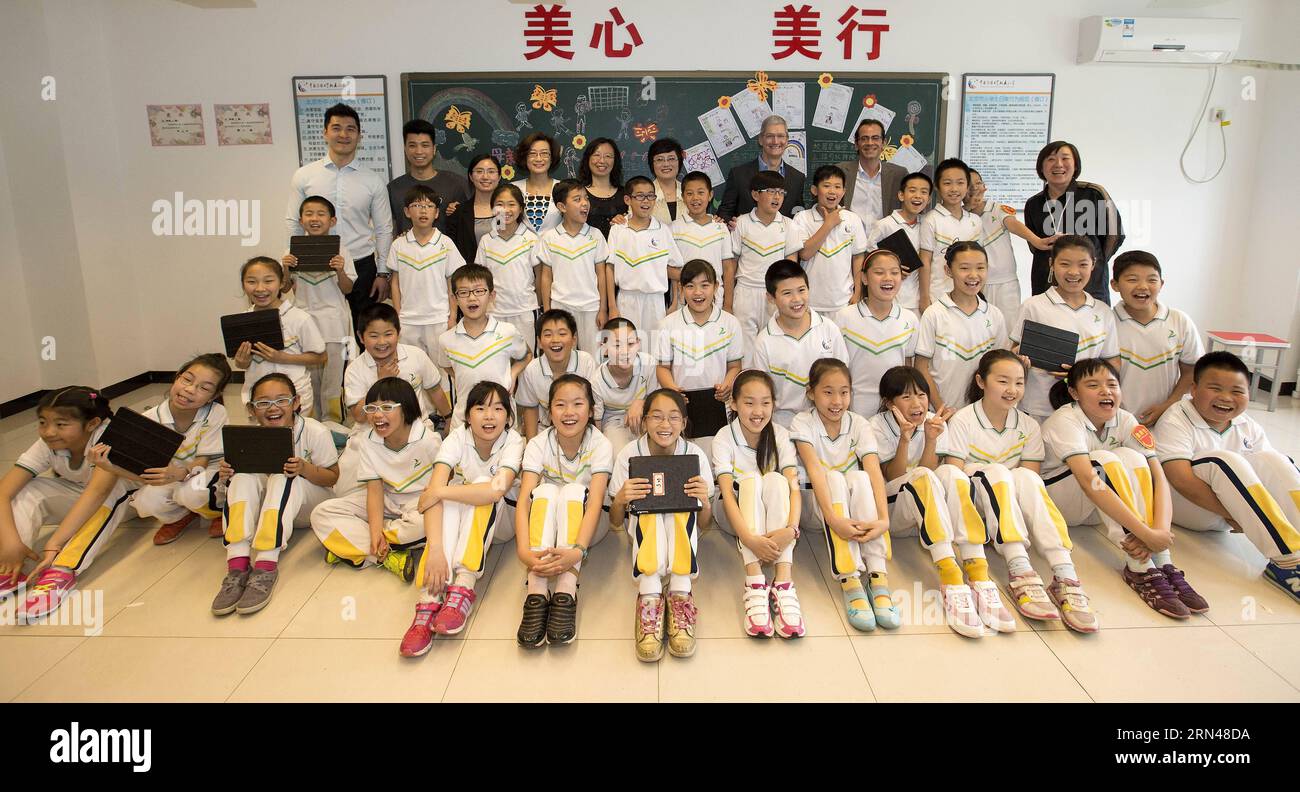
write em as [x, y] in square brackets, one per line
[1006, 119]
[713, 115]
[368, 95]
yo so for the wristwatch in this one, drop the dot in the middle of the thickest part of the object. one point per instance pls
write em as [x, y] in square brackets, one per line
[384, 275]
[582, 548]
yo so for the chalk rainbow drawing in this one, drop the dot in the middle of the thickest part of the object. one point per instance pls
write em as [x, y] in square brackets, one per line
[465, 99]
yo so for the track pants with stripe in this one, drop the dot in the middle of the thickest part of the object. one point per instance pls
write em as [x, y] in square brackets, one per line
[555, 517]
[92, 537]
[468, 533]
[645, 311]
[262, 512]
[170, 502]
[1017, 510]
[664, 545]
[327, 383]
[1261, 491]
[753, 311]
[1127, 474]
[341, 525]
[765, 504]
[42, 501]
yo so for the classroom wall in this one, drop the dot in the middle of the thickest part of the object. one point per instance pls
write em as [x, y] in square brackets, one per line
[87, 165]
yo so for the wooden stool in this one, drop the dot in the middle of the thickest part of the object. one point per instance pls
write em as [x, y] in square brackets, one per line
[1236, 342]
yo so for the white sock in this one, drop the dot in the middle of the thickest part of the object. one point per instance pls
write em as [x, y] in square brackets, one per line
[1162, 558]
[537, 584]
[650, 584]
[567, 584]
[1017, 559]
[679, 584]
[269, 555]
[465, 579]
[1065, 571]
[755, 580]
[1135, 565]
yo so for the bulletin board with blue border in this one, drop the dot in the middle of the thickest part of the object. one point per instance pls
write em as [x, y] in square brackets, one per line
[713, 115]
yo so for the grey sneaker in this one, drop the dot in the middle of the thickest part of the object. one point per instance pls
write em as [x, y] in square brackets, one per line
[258, 591]
[232, 588]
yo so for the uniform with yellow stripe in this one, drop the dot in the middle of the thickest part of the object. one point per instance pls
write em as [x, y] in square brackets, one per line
[618, 398]
[874, 345]
[1093, 321]
[709, 241]
[937, 505]
[319, 295]
[663, 545]
[757, 246]
[421, 271]
[940, 230]
[262, 510]
[1002, 288]
[402, 474]
[1258, 486]
[1011, 499]
[763, 497]
[558, 501]
[573, 260]
[1118, 455]
[511, 260]
[909, 291]
[953, 341]
[831, 270]
[641, 261]
[1153, 355]
[486, 357]
[789, 359]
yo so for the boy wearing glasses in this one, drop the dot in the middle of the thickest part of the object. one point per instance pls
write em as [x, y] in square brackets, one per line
[758, 240]
[643, 258]
[420, 261]
[480, 348]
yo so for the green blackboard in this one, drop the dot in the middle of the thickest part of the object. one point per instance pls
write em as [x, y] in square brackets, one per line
[489, 112]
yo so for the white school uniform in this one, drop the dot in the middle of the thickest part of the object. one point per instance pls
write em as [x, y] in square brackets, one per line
[699, 353]
[830, 270]
[1012, 500]
[788, 359]
[617, 400]
[1258, 486]
[341, 523]
[641, 260]
[48, 498]
[468, 532]
[512, 261]
[939, 230]
[1093, 321]
[559, 499]
[534, 388]
[413, 365]
[909, 291]
[874, 346]
[1002, 287]
[1150, 355]
[486, 357]
[263, 510]
[319, 295]
[300, 336]
[422, 271]
[709, 242]
[954, 341]
[574, 287]
[663, 545]
[757, 246]
[764, 498]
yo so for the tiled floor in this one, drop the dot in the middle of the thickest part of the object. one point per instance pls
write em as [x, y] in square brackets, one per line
[332, 633]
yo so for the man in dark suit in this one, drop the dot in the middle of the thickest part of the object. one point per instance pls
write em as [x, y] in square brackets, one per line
[871, 185]
[772, 140]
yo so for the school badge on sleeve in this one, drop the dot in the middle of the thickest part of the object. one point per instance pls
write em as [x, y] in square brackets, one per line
[1143, 436]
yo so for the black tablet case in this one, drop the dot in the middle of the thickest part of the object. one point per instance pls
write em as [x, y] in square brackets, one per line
[138, 443]
[900, 245]
[257, 449]
[313, 252]
[673, 472]
[706, 414]
[1048, 347]
[252, 326]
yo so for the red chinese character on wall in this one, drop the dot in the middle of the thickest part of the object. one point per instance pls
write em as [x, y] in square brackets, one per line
[605, 30]
[547, 30]
[851, 26]
[796, 31]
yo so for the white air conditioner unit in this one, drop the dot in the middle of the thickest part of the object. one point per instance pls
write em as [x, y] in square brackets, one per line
[1197, 42]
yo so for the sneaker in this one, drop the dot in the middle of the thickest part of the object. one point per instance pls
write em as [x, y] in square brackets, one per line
[649, 627]
[959, 611]
[785, 610]
[887, 616]
[1029, 597]
[681, 624]
[232, 588]
[988, 604]
[1075, 610]
[171, 531]
[455, 610]
[258, 593]
[1194, 602]
[8, 587]
[862, 619]
[399, 562]
[44, 596]
[758, 615]
[1154, 589]
[419, 636]
[532, 627]
[216, 528]
[562, 621]
[330, 558]
[1286, 579]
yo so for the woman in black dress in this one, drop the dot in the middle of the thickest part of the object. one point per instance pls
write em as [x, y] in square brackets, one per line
[601, 172]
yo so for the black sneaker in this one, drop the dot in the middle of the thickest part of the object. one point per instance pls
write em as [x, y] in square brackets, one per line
[532, 627]
[562, 624]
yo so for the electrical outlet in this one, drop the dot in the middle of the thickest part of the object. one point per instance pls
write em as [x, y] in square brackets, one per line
[1218, 114]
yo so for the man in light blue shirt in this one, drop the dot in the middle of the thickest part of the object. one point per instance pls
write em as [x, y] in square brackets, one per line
[360, 197]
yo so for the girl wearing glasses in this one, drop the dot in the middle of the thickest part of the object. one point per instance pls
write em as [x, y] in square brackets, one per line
[263, 510]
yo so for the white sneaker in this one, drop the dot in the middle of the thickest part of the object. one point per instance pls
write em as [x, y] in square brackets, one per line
[785, 611]
[758, 618]
[988, 603]
[959, 611]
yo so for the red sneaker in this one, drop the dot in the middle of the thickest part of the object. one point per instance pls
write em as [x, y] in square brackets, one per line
[171, 531]
[44, 596]
[455, 610]
[10, 585]
[419, 636]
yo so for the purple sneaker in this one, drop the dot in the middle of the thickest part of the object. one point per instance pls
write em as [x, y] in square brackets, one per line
[1194, 602]
[1154, 589]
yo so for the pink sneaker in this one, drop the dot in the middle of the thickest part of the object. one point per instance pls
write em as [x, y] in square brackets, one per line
[8, 587]
[785, 610]
[455, 610]
[44, 596]
[419, 636]
[758, 616]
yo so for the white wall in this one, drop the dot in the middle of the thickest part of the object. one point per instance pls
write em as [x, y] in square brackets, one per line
[154, 300]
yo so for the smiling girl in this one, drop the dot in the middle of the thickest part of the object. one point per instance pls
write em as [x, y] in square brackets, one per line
[509, 251]
[263, 282]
